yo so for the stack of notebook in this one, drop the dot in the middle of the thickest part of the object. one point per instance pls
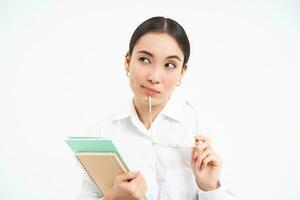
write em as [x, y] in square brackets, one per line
[100, 159]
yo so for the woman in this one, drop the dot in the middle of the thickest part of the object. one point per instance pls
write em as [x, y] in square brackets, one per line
[155, 134]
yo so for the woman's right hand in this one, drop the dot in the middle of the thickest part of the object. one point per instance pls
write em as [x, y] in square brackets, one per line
[128, 186]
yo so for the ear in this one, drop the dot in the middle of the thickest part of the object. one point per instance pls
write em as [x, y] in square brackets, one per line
[127, 61]
[184, 68]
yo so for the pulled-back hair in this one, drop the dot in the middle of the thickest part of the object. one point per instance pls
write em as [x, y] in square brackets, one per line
[163, 25]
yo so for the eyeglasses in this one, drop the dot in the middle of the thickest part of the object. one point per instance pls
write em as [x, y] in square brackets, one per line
[174, 146]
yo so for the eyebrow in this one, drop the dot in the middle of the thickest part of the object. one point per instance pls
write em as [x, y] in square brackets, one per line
[151, 55]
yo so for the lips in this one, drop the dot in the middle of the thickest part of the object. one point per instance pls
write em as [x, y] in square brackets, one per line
[150, 91]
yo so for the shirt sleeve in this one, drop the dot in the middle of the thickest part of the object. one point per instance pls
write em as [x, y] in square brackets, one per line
[219, 194]
[89, 189]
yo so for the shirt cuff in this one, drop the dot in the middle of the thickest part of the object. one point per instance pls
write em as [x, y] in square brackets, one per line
[217, 194]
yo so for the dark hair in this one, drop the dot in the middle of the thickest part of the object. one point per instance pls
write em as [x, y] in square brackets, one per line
[163, 25]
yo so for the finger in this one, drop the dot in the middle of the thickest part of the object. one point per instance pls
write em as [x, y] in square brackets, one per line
[212, 159]
[201, 138]
[200, 148]
[195, 153]
[127, 176]
[138, 179]
[201, 156]
[138, 186]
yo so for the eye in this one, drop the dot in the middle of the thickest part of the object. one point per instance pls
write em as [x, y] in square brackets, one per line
[170, 66]
[144, 60]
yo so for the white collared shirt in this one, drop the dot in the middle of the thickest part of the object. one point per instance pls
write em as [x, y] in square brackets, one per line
[167, 170]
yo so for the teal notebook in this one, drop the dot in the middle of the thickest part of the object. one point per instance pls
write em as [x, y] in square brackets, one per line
[99, 158]
[90, 144]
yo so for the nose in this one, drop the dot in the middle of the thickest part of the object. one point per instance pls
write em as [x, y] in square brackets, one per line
[155, 75]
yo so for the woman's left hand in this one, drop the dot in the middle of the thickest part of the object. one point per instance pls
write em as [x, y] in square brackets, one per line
[206, 164]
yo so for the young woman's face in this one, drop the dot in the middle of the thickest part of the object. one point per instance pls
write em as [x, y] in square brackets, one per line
[155, 67]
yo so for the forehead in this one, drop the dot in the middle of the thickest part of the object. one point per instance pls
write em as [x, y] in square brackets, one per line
[159, 44]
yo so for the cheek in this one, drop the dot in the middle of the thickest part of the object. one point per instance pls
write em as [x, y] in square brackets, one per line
[136, 76]
[170, 83]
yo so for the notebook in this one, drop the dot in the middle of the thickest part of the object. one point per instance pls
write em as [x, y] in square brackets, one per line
[99, 158]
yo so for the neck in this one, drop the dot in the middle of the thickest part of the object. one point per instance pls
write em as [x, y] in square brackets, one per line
[143, 112]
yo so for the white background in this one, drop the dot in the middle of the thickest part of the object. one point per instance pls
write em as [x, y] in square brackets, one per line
[61, 70]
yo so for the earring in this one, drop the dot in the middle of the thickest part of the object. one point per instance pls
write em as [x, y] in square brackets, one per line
[127, 73]
[179, 83]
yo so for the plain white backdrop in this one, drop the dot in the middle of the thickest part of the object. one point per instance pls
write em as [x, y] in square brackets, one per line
[61, 71]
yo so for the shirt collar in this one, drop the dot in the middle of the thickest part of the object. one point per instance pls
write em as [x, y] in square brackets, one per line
[124, 112]
[173, 109]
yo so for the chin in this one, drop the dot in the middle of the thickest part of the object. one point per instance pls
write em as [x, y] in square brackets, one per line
[157, 101]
